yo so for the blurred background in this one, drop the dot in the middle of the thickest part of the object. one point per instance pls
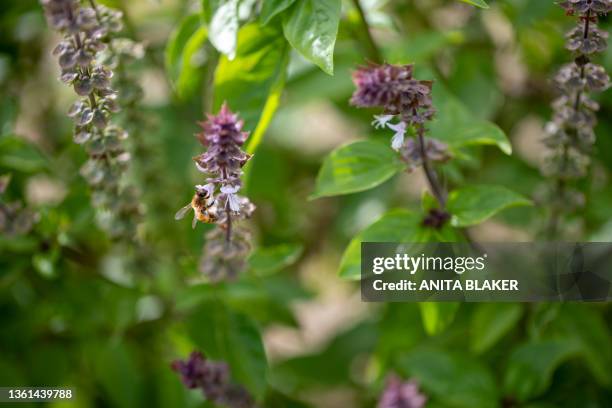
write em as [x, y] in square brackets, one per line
[107, 317]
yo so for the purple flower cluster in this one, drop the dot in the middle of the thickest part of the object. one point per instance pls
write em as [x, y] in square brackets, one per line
[407, 107]
[403, 98]
[401, 394]
[586, 6]
[570, 133]
[393, 88]
[213, 378]
[81, 55]
[227, 245]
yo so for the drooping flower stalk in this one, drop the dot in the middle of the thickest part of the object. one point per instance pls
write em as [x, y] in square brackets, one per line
[213, 378]
[407, 106]
[401, 394]
[218, 201]
[84, 66]
[570, 133]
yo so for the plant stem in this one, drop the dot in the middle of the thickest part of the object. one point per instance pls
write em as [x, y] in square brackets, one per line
[93, 5]
[436, 188]
[374, 53]
[432, 178]
[228, 225]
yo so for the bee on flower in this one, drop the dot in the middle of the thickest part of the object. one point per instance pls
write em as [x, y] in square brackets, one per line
[219, 200]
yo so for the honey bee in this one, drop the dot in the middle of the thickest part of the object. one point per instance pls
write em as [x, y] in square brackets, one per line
[203, 206]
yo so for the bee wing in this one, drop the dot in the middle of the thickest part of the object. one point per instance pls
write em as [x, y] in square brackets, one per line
[180, 214]
[194, 221]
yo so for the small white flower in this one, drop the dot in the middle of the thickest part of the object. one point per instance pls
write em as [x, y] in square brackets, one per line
[398, 138]
[232, 198]
[551, 128]
[380, 121]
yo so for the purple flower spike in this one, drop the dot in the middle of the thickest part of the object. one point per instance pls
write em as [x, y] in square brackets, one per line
[213, 378]
[401, 394]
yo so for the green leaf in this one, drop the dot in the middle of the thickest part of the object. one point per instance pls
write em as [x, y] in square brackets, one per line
[491, 322]
[258, 299]
[272, 8]
[225, 335]
[116, 370]
[265, 261]
[437, 316]
[193, 64]
[455, 380]
[477, 3]
[585, 325]
[395, 226]
[224, 28]
[186, 57]
[252, 82]
[176, 44]
[311, 28]
[329, 367]
[356, 167]
[455, 125]
[19, 154]
[530, 367]
[475, 204]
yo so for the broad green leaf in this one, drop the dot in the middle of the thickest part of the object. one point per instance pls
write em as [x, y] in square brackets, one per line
[394, 226]
[477, 3]
[589, 329]
[116, 370]
[491, 322]
[475, 204]
[356, 167]
[258, 301]
[311, 27]
[455, 125]
[19, 154]
[169, 389]
[224, 28]
[193, 63]
[437, 316]
[194, 295]
[252, 82]
[176, 43]
[272, 8]
[453, 379]
[531, 366]
[225, 335]
[329, 367]
[255, 298]
[183, 55]
[267, 260]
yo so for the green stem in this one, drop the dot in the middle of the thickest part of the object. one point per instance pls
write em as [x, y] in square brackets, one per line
[373, 51]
